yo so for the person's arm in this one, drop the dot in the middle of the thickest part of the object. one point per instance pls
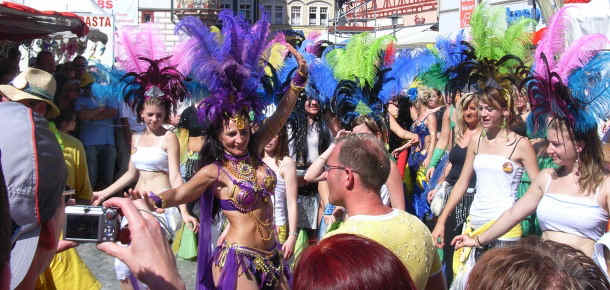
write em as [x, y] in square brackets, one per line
[456, 193]
[289, 171]
[127, 178]
[520, 210]
[442, 143]
[431, 124]
[271, 127]
[188, 191]
[315, 171]
[148, 255]
[394, 184]
[445, 135]
[99, 113]
[527, 156]
[400, 131]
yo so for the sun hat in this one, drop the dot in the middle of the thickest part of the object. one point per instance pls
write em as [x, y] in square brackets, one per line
[35, 175]
[33, 84]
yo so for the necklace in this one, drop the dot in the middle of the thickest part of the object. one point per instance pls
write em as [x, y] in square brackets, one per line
[241, 167]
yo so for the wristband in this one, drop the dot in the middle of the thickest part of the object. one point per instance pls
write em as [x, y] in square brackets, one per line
[436, 157]
[159, 202]
[477, 242]
[328, 210]
[294, 234]
[299, 80]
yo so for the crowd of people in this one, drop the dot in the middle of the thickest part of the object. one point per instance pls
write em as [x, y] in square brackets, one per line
[279, 162]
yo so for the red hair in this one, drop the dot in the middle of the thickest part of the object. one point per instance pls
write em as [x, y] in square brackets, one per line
[350, 262]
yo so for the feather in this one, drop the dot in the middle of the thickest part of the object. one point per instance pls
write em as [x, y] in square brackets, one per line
[321, 82]
[553, 42]
[135, 44]
[579, 53]
[590, 85]
[389, 55]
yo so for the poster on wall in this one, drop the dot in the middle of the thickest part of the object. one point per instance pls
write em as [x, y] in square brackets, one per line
[125, 11]
[466, 7]
[100, 42]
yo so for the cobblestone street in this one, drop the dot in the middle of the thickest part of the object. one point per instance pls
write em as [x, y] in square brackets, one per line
[102, 267]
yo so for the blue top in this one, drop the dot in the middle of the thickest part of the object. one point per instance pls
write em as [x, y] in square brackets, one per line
[94, 132]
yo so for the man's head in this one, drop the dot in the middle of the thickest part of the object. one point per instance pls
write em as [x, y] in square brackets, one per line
[34, 88]
[46, 62]
[80, 65]
[359, 163]
[35, 176]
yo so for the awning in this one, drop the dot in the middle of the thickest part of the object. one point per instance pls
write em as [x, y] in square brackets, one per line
[18, 22]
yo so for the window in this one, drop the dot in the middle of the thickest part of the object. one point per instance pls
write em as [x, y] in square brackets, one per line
[244, 10]
[313, 15]
[323, 15]
[267, 9]
[225, 6]
[148, 16]
[279, 15]
[295, 15]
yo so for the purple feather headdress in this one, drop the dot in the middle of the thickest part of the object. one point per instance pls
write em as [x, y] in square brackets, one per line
[231, 68]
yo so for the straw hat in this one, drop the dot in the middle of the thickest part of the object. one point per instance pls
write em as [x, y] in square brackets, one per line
[33, 84]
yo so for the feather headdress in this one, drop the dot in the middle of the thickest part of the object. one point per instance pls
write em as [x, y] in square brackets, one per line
[493, 37]
[406, 67]
[359, 59]
[230, 67]
[134, 44]
[561, 58]
[109, 85]
[569, 83]
[158, 80]
[581, 105]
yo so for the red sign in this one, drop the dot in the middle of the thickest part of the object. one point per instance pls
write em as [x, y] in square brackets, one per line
[466, 7]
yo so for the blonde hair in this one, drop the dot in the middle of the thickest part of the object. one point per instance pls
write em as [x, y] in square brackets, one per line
[501, 99]
[373, 125]
[461, 106]
[424, 95]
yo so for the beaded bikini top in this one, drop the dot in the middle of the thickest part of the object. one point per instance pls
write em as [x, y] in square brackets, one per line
[246, 190]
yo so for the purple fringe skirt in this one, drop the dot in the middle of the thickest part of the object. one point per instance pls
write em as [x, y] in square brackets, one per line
[267, 267]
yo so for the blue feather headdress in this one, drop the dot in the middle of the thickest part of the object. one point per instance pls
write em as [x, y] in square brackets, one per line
[406, 67]
[321, 83]
[230, 68]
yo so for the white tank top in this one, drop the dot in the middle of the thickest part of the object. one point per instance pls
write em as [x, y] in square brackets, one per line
[150, 158]
[585, 217]
[496, 187]
[280, 207]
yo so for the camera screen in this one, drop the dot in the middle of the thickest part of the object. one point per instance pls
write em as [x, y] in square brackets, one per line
[81, 226]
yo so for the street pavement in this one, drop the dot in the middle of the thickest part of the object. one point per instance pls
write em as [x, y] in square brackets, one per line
[102, 266]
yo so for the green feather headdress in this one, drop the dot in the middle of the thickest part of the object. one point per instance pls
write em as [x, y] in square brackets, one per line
[493, 37]
[360, 58]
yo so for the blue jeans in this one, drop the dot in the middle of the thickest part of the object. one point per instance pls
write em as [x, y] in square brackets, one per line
[101, 160]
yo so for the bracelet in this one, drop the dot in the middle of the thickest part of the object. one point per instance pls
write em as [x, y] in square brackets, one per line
[294, 234]
[328, 210]
[477, 242]
[159, 202]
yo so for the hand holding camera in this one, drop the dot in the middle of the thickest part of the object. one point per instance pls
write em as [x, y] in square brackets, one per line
[148, 256]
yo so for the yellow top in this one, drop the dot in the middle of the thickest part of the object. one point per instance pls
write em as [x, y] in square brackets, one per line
[405, 235]
[76, 163]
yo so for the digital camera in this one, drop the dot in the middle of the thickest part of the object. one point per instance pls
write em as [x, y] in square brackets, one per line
[93, 224]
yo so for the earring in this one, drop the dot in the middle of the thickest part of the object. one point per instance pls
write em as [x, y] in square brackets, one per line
[503, 123]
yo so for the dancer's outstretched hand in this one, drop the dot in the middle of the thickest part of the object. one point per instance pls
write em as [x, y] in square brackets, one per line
[148, 256]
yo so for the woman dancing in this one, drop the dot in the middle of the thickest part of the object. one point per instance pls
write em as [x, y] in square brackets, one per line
[232, 176]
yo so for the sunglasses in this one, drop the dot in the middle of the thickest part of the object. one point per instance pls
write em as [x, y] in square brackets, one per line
[328, 167]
